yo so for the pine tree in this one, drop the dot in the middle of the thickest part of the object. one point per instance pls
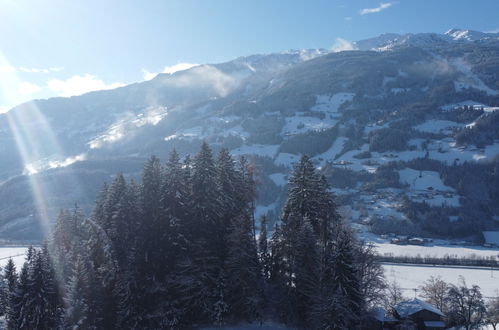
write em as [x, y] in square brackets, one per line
[51, 290]
[245, 280]
[3, 294]
[346, 275]
[37, 306]
[10, 278]
[76, 314]
[199, 272]
[18, 313]
[314, 257]
[263, 248]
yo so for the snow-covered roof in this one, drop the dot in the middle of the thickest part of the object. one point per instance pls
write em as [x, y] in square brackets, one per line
[379, 313]
[491, 237]
[409, 307]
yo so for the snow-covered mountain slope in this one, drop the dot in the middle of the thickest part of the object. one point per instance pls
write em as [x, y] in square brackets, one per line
[394, 132]
[389, 41]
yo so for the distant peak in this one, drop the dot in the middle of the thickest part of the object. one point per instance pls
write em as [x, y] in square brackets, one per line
[465, 35]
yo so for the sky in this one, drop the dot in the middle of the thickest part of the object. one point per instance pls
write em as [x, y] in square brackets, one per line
[63, 48]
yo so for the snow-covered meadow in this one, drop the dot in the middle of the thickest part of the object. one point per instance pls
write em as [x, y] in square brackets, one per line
[411, 277]
[16, 252]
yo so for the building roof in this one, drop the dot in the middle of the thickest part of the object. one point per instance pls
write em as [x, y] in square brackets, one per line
[491, 237]
[409, 307]
[434, 324]
[379, 313]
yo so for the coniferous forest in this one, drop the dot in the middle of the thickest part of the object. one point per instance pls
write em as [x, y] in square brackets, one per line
[181, 250]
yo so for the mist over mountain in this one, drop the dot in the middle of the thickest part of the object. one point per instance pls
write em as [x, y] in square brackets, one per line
[405, 128]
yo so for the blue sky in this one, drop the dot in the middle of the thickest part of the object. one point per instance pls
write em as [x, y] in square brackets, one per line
[62, 48]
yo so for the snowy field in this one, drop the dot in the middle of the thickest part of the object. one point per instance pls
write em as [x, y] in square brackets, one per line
[17, 253]
[438, 248]
[411, 277]
[438, 251]
[255, 326]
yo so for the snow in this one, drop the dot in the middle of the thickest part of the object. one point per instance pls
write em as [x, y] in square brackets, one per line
[434, 250]
[439, 200]
[411, 277]
[237, 130]
[286, 159]
[52, 162]
[256, 326]
[386, 80]
[438, 126]
[409, 307]
[125, 126]
[450, 152]
[17, 253]
[264, 150]
[491, 237]
[279, 179]
[332, 152]
[422, 180]
[470, 79]
[398, 90]
[331, 103]
[474, 104]
[373, 127]
[302, 124]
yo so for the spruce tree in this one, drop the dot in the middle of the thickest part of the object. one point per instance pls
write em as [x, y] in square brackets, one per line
[201, 269]
[245, 281]
[10, 278]
[76, 314]
[263, 248]
[18, 312]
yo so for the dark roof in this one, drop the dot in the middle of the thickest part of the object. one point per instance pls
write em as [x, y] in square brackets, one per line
[434, 324]
[409, 307]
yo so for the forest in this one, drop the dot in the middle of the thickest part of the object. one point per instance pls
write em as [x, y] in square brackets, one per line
[180, 250]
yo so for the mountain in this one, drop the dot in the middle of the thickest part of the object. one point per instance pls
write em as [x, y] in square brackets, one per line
[405, 129]
[425, 40]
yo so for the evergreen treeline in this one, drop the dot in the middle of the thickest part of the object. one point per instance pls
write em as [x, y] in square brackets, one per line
[180, 250]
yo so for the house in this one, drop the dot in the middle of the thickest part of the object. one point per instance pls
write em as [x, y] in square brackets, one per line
[416, 241]
[382, 320]
[421, 314]
[491, 238]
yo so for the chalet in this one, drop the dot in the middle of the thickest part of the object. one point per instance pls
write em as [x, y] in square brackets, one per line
[382, 320]
[420, 314]
[491, 238]
[416, 241]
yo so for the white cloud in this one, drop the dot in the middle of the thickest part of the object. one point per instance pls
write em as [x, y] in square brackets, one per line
[35, 70]
[6, 68]
[168, 69]
[207, 75]
[148, 75]
[342, 45]
[27, 88]
[4, 109]
[382, 6]
[77, 85]
[348, 18]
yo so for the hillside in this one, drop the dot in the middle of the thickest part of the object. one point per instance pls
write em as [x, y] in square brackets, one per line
[405, 130]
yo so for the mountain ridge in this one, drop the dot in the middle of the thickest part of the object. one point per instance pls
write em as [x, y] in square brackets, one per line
[368, 118]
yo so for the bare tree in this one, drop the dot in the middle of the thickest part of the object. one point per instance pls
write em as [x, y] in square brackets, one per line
[434, 291]
[492, 317]
[393, 295]
[373, 284]
[465, 305]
